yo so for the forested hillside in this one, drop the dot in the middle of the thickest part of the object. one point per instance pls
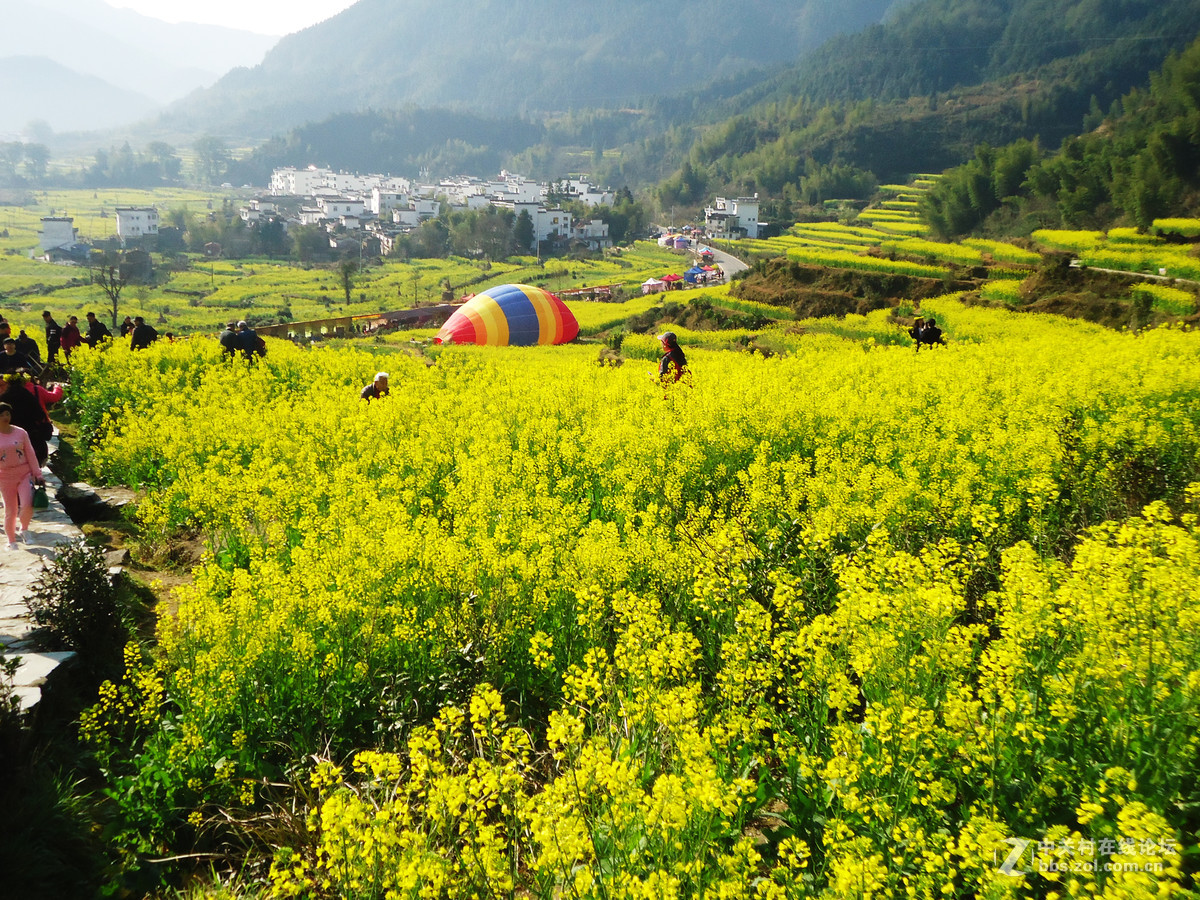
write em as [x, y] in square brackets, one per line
[1142, 163]
[400, 141]
[918, 93]
[502, 58]
[922, 91]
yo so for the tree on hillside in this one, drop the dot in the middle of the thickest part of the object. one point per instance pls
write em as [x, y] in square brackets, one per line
[212, 159]
[346, 272]
[37, 158]
[523, 232]
[106, 272]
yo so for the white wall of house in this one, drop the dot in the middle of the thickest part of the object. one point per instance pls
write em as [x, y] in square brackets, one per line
[57, 231]
[382, 200]
[584, 191]
[298, 182]
[337, 207]
[732, 218]
[594, 233]
[135, 222]
[548, 224]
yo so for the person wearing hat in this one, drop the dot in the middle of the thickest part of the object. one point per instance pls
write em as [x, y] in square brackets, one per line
[931, 334]
[228, 339]
[377, 388]
[673, 360]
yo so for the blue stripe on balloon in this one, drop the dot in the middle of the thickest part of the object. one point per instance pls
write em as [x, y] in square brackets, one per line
[524, 329]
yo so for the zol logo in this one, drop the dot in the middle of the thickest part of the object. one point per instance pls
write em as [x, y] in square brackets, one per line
[1009, 866]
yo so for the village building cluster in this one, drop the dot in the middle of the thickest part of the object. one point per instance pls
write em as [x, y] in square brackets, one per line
[371, 212]
[381, 208]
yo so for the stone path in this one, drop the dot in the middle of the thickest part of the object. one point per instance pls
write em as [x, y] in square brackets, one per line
[19, 571]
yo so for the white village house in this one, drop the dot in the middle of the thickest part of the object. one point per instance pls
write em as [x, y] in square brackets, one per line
[732, 219]
[58, 232]
[136, 222]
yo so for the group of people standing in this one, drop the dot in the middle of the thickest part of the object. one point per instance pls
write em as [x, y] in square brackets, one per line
[239, 337]
[926, 331]
[69, 337]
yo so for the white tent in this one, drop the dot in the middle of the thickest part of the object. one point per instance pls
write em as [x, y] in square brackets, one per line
[653, 286]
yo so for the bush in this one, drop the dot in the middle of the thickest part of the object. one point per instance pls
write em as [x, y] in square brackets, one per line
[77, 601]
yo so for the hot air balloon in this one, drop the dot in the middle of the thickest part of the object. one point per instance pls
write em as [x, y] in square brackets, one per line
[511, 314]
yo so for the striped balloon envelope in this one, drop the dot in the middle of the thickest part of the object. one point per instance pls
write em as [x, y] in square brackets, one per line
[515, 315]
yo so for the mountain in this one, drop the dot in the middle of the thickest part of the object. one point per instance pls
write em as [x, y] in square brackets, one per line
[505, 57]
[33, 88]
[919, 92]
[130, 51]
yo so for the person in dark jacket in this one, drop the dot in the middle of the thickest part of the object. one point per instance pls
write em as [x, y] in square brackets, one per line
[53, 337]
[930, 334]
[127, 327]
[143, 335]
[97, 331]
[12, 359]
[248, 341]
[229, 339]
[28, 346]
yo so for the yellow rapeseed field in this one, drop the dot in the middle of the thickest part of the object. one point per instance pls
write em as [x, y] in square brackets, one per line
[848, 621]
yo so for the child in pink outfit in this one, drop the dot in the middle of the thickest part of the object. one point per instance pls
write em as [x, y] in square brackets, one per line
[19, 471]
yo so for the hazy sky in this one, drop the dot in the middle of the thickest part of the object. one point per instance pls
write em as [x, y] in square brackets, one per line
[264, 16]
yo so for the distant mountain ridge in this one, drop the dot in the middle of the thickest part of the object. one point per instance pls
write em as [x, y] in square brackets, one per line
[35, 88]
[133, 53]
[505, 57]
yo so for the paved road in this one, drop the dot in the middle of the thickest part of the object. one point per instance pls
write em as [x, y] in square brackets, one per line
[730, 265]
[1164, 279]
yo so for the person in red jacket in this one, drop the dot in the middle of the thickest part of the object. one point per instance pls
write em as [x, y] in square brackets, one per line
[71, 338]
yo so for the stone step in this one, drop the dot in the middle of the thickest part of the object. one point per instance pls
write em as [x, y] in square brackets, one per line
[20, 571]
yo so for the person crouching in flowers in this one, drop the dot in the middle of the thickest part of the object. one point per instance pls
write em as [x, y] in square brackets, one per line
[19, 471]
[673, 364]
[377, 388]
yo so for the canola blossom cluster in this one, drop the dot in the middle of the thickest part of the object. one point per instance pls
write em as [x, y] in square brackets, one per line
[847, 621]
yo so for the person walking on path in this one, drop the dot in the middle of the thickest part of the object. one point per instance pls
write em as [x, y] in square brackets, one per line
[19, 472]
[27, 413]
[53, 337]
[71, 338]
[97, 331]
[46, 397]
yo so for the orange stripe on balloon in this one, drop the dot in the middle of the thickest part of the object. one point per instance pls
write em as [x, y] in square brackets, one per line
[495, 322]
[549, 330]
[477, 327]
